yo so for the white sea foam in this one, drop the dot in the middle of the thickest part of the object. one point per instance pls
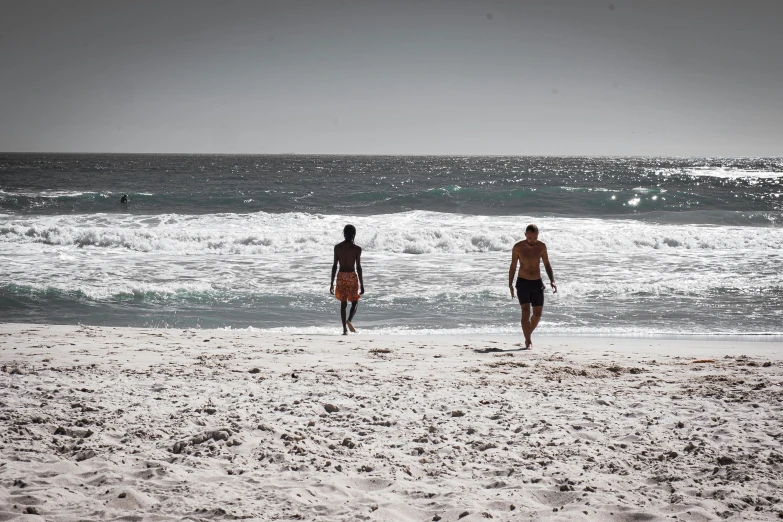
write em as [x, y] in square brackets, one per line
[442, 268]
[48, 194]
[91, 288]
[54, 194]
[415, 232]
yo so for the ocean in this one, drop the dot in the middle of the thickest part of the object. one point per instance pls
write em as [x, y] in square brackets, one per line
[639, 246]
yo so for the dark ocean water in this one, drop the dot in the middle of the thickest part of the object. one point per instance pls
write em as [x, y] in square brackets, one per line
[639, 245]
[163, 184]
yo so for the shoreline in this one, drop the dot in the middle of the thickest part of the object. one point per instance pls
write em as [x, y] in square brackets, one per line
[544, 336]
[102, 423]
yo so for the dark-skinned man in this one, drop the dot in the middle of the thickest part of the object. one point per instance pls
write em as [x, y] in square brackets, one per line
[350, 284]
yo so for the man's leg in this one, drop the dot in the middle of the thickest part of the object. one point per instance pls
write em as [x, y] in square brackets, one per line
[537, 310]
[351, 314]
[343, 307]
[526, 323]
[537, 302]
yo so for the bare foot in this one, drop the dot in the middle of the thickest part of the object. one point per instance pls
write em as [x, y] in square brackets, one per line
[345, 332]
[350, 327]
[528, 344]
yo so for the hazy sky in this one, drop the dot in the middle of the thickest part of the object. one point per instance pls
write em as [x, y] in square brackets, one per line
[652, 77]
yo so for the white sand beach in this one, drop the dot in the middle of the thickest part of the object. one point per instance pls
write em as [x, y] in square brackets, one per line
[154, 425]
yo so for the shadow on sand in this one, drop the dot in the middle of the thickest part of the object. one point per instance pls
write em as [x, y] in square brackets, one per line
[499, 350]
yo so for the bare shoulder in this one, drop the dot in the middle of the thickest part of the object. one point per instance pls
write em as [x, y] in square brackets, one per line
[518, 245]
[358, 249]
[543, 245]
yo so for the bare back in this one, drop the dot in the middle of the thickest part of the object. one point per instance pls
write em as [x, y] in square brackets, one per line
[347, 255]
[530, 257]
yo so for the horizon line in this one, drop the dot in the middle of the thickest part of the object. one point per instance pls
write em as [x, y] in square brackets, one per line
[387, 155]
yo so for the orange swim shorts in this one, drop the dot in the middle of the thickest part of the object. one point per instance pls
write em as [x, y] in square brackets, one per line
[347, 286]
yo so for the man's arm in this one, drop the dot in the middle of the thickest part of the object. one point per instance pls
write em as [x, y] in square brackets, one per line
[548, 268]
[359, 270]
[512, 270]
[334, 272]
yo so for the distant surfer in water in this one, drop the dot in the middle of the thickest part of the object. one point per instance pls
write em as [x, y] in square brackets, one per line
[124, 199]
[350, 284]
[530, 288]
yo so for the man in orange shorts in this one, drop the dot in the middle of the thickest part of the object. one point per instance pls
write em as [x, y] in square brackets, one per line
[349, 282]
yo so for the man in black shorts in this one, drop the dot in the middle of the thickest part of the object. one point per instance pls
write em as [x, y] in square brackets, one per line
[530, 288]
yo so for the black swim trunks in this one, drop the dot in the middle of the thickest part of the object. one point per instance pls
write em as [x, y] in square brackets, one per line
[530, 291]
